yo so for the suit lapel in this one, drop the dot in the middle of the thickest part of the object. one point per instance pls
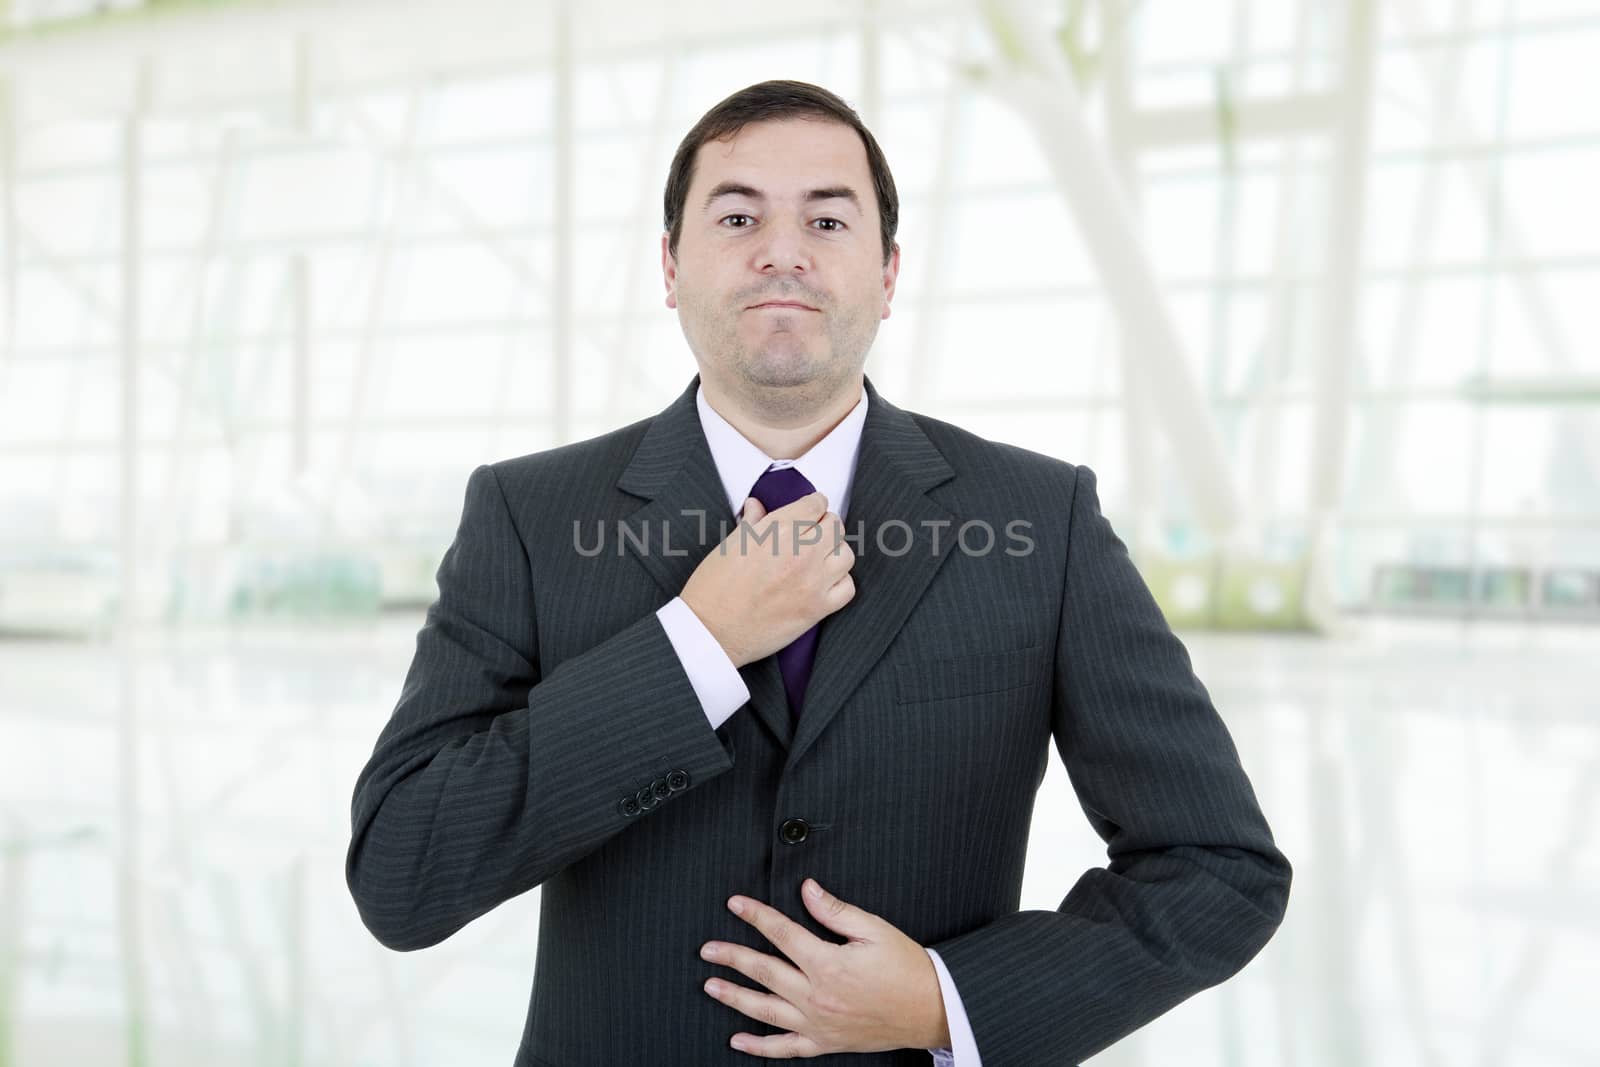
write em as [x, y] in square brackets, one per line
[895, 468]
[687, 513]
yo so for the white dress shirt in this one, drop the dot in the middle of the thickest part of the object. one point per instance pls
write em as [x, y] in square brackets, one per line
[830, 465]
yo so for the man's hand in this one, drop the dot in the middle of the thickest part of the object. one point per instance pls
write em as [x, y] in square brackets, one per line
[876, 993]
[773, 578]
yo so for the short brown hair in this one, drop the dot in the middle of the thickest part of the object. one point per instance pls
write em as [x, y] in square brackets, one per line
[767, 101]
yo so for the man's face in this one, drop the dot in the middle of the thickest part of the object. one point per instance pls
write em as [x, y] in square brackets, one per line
[770, 217]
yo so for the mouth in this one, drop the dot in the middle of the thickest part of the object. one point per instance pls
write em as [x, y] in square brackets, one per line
[782, 304]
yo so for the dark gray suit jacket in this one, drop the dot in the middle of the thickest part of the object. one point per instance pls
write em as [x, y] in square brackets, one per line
[547, 735]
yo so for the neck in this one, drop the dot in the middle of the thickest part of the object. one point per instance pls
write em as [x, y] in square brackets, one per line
[781, 433]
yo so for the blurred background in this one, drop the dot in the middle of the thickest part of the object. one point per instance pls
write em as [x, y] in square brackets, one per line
[1313, 286]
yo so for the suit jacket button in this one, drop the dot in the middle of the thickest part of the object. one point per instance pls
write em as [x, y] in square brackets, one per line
[794, 831]
[628, 806]
[660, 788]
[678, 781]
[647, 798]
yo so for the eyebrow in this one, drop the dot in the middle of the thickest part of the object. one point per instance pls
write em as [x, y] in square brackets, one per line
[832, 192]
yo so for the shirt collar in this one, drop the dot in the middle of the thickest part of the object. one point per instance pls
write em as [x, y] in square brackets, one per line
[829, 464]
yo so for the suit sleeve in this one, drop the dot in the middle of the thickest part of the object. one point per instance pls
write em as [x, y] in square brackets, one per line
[491, 775]
[1194, 886]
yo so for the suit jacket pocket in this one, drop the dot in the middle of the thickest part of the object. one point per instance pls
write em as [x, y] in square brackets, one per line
[945, 677]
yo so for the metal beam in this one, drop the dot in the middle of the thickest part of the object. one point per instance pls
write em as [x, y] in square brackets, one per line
[183, 461]
[561, 293]
[130, 911]
[927, 326]
[300, 283]
[1282, 300]
[8, 218]
[647, 211]
[1338, 313]
[1542, 390]
[1140, 479]
[1246, 120]
[402, 191]
[1039, 86]
[1375, 473]
[1509, 256]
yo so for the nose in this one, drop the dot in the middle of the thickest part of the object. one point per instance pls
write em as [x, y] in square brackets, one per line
[784, 250]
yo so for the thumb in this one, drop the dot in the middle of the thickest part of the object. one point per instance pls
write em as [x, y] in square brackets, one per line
[752, 510]
[858, 924]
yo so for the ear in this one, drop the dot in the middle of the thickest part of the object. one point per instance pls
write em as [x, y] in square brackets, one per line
[891, 273]
[669, 271]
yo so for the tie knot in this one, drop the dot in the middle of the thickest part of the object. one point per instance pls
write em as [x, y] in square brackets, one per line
[779, 486]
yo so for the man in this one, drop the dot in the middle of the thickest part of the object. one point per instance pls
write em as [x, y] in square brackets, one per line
[698, 715]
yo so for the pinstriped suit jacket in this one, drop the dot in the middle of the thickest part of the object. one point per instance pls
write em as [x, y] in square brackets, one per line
[544, 696]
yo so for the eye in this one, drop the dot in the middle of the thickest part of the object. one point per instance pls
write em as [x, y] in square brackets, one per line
[837, 226]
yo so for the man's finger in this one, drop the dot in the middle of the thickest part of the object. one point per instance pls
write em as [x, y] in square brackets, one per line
[771, 973]
[790, 1046]
[840, 916]
[811, 506]
[787, 936]
[759, 1005]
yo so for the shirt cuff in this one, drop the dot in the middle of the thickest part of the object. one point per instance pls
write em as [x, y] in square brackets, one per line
[964, 1050]
[716, 680]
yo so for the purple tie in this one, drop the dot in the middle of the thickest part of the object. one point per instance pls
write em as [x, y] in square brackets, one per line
[777, 487]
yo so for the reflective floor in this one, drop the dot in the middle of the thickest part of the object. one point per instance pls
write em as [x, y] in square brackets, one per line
[175, 819]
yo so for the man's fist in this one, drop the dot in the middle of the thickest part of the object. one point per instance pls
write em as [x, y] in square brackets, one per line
[773, 578]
